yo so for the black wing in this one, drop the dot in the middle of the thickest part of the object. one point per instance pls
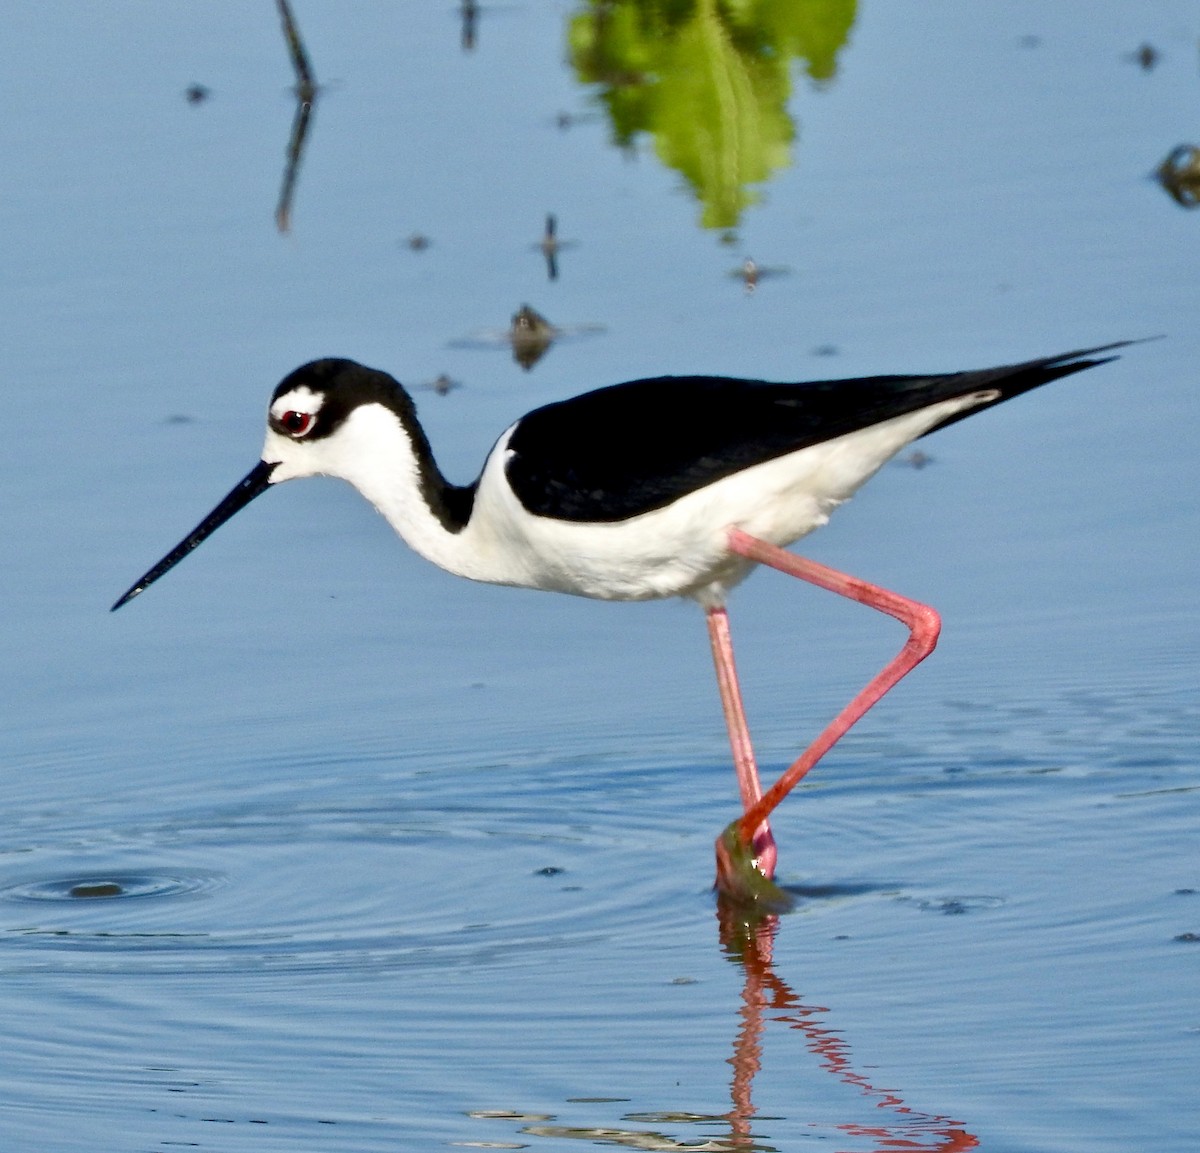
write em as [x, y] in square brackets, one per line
[631, 448]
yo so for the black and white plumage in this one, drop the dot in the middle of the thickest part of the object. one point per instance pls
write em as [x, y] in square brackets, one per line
[630, 492]
[623, 493]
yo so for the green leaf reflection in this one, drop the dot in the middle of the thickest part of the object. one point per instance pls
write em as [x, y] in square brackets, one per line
[709, 80]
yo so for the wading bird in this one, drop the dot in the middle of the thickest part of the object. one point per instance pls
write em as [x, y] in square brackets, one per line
[675, 486]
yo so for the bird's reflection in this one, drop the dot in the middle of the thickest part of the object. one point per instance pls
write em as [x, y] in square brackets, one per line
[748, 938]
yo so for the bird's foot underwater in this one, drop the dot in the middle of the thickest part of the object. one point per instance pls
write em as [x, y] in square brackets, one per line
[740, 877]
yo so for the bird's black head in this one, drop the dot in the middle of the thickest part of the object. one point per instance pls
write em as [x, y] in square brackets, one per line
[312, 402]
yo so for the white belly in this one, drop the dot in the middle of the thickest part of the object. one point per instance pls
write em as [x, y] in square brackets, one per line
[681, 549]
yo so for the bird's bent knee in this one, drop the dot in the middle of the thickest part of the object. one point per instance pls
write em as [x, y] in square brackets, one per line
[926, 625]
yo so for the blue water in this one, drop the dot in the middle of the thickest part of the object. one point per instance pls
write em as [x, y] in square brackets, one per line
[314, 847]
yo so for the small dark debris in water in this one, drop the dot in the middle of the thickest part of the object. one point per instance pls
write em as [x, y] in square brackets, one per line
[1185, 892]
[196, 93]
[550, 245]
[1146, 56]
[565, 120]
[1189, 938]
[442, 384]
[841, 937]
[750, 272]
[417, 242]
[915, 459]
[825, 350]
[957, 906]
[179, 418]
[91, 889]
[530, 335]
[1179, 174]
[528, 320]
[549, 871]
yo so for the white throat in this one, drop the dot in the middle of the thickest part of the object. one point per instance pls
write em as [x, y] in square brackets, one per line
[374, 452]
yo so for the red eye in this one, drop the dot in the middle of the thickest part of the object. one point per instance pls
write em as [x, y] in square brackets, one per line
[297, 423]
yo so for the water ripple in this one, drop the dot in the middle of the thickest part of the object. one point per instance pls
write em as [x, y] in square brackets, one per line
[113, 886]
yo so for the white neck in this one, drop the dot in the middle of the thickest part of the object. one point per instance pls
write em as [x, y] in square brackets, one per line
[375, 452]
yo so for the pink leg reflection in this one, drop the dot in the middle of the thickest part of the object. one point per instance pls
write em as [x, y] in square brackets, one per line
[748, 940]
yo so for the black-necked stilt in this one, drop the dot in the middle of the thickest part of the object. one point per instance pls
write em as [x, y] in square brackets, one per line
[675, 486]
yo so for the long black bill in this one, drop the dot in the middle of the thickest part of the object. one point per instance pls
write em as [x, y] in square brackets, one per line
[253, 483]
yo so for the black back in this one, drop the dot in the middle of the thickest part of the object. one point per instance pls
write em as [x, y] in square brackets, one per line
[631, 448]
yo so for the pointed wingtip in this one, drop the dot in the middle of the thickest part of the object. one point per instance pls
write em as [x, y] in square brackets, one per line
[1116, 344]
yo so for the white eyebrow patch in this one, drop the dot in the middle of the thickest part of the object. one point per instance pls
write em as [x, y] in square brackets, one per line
[301, 399]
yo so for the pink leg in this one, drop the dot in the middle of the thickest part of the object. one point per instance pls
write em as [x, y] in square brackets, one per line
[763, 844]
[923, 624]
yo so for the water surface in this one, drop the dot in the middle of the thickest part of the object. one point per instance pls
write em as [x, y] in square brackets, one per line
[314, 847]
